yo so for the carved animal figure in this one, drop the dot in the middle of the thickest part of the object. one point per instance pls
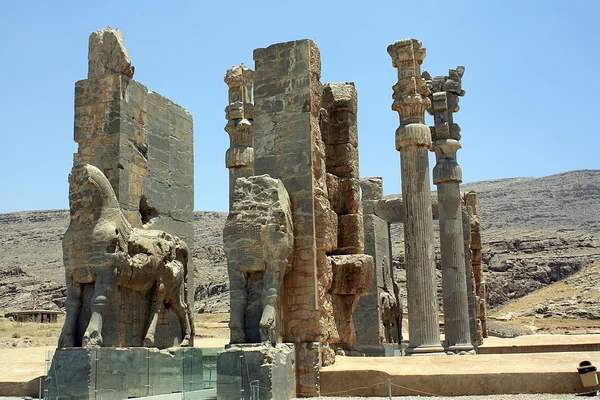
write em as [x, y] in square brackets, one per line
[258, 240]
[102, 249]
[391, 309]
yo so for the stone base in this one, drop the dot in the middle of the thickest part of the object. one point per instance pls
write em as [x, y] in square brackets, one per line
[425, 351]
[382, 350]
[120, 373]
[460, 349]
[269, 371]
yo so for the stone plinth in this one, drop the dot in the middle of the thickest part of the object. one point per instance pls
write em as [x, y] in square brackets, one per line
[269, 371]
[120, 373]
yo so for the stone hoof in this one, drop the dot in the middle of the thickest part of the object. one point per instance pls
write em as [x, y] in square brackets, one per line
[267, 324]
[237, 336]
[66, 340]
[185, 342]
[148, 341]
[92, 339]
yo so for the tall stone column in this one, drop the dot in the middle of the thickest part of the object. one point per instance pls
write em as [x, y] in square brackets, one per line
[447, 175]
[413, 141]
[239, 158]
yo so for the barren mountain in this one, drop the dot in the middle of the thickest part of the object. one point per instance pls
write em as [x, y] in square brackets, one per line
[536, 231]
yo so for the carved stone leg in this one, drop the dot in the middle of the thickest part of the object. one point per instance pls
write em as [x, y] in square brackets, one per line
[157, 305]
[104, 284]
[179, 308]
[272, 283]
[238, 299]
[69, 330]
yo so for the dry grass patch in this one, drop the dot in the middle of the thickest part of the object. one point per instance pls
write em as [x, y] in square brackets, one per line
[212, 325]
[29, 334]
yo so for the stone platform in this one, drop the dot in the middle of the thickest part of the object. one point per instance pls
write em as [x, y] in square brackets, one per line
[120, 373]
[456, 375]
[540, 344]
[269, 372]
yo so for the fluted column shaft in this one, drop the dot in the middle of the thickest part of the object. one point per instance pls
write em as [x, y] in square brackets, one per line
[413, 141]
[447, 175]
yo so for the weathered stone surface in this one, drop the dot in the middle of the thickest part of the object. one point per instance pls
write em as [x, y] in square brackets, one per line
[258, 240]
[103, 253]
[344, 194]
[311, 147]
[286, 135]
[308, 363]
[472, 208]
[326, 230]
[352, 274]
[372, 188]
[378, 315]
[108, 55]
[352, 277]
[143, 145]
[342, 160]
[350, 234]
[341, 103]
[239, 158]
[273, 367]
[447, 175]
[124, 372]
[413, 141]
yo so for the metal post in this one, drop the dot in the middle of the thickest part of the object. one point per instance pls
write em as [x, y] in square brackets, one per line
[241, 377]
[389, 381]
[254, 387]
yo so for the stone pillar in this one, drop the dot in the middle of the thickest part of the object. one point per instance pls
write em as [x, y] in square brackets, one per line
[472, 204]
[239, 158]
[447, 175]
[288, 146]
[378, 316]
[413, 140]
[472, 299]
[351, 270]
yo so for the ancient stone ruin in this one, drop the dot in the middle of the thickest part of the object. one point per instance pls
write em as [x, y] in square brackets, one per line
[309, 260]
[293, 137]
[126, 250]
[302, 137]
[141, 145]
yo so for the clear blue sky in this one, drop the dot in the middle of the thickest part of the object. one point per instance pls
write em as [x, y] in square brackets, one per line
[531, 79]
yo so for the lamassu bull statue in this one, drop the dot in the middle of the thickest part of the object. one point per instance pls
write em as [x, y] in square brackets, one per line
[101, 251]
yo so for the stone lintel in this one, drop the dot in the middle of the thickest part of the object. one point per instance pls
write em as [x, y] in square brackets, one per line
[392, 211]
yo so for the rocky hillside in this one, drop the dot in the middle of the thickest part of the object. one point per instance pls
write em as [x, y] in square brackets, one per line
[536, 231]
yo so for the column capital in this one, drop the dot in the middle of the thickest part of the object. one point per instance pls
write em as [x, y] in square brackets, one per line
[410, 92]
